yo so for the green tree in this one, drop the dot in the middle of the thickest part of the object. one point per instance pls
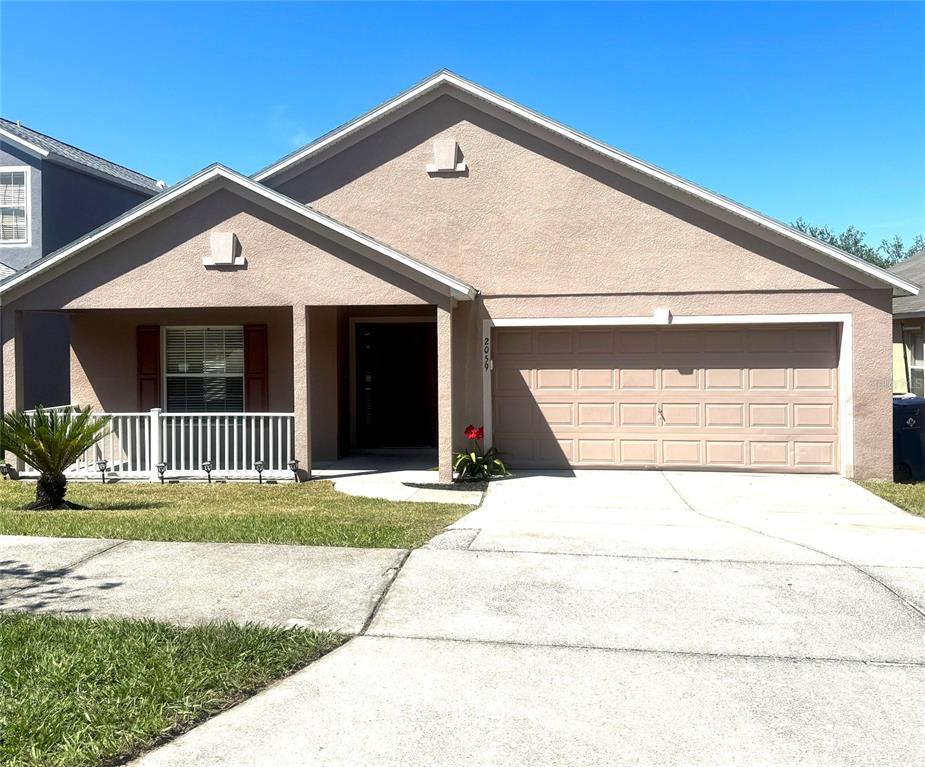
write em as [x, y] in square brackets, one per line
[885, 255]
[50, 441]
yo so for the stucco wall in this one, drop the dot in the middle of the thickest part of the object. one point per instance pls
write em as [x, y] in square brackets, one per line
[104, 358]
[543, 233]
[161, 267]
[528, 218]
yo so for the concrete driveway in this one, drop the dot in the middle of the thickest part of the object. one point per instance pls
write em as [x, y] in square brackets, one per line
[637, 618]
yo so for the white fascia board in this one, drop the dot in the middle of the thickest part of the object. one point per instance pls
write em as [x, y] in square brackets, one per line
[538, 120]
[456, 288]
[32, 149]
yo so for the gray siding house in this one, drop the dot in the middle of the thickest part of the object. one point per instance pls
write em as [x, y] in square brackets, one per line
[51, 193]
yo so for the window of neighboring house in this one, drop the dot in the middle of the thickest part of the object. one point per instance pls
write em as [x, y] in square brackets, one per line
[204, 369]
[14, 206]
[915, 341]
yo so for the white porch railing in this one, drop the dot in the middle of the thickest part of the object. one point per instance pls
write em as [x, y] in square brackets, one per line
[232, 442]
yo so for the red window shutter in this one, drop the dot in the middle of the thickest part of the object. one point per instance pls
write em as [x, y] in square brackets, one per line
[149, 366]
[256, 387]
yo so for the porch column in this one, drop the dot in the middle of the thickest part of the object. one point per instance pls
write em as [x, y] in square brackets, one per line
[301, 392]
[445, 392]
[12, 369]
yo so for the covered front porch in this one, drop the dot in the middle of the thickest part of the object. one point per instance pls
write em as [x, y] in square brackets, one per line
[255, 393]
[236, 310]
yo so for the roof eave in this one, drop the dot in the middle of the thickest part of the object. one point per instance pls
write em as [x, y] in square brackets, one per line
[46, 154]
[28, 146]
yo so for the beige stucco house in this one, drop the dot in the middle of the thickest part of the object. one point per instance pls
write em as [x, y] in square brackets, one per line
[451, 257]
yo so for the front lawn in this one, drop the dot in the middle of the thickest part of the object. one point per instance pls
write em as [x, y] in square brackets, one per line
[312, 513]
[77, 692]
[909, 497]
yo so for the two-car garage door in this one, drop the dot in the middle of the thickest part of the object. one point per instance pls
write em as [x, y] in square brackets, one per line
[762, 398]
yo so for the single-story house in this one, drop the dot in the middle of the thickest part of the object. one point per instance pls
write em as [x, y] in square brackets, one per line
[909, 330]
[452, 257]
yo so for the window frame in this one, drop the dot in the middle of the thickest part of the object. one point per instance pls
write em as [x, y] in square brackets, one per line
[165, 374]
[26, 170]
[909, 335]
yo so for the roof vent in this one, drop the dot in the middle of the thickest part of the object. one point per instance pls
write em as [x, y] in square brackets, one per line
[446, 157]
[226, 251]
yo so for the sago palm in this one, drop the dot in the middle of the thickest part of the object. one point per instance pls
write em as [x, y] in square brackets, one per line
[49, 441]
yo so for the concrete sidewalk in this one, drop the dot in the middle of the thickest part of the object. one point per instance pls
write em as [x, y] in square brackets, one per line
[319, 587]
[621, 618]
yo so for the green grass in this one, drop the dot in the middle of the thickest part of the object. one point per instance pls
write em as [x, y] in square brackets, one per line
[77, 692]
[909, 497]
[312, 513]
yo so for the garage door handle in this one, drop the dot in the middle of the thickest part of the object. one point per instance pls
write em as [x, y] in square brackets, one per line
[661, 415]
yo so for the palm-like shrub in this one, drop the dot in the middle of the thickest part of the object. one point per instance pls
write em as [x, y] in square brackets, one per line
[50, 441]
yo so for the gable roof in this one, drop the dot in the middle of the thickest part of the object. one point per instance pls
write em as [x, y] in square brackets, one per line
[333, 229]
[445, 81]
[912, 269]
[57, 151]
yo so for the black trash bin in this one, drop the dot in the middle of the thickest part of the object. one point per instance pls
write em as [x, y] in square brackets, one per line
[908, 439]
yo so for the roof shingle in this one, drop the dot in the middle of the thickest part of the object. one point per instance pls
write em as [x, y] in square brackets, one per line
[913, 270]
[59, 149]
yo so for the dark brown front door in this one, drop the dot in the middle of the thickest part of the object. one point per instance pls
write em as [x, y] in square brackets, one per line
[396, 384]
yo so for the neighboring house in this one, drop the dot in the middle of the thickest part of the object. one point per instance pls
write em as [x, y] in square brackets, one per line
[909, 330]
[50, 194]
[449, 258]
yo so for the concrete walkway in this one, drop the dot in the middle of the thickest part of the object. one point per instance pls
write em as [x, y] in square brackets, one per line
[318, 587]
[609, 618]
[395, 478]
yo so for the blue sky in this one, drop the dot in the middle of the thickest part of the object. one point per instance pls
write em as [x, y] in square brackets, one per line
[791, 108]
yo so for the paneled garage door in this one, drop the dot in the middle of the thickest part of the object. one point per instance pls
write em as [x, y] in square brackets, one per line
[758, 397]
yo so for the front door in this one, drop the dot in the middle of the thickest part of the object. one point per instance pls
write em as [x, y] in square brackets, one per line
[396, 384]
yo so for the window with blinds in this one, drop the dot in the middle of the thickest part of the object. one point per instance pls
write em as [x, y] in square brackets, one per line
[13, 206]
[204, 371]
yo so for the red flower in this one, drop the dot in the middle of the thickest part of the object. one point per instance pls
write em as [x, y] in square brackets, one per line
[473, 433]
[480, 432]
